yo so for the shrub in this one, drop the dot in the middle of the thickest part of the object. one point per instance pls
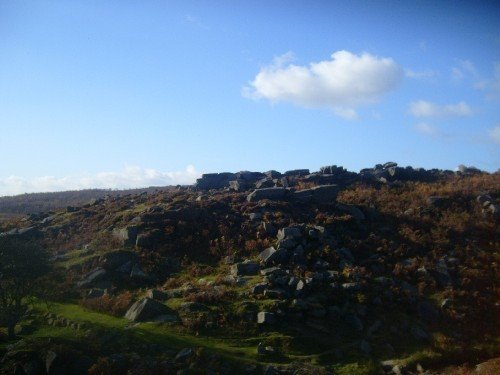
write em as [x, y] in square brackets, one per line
[113, 305]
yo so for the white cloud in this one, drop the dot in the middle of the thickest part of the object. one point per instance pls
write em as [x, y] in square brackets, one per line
[495, 134]
[427, 129]
[342, 84]
[129, 177]
[423, 108]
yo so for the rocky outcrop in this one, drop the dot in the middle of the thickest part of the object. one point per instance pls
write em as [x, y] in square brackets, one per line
[210, 181]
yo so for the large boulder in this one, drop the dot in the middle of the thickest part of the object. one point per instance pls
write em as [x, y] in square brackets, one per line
[265, 317]
[149, 239]
[320, 194]
[146, 310]
[292, 232]
[94, 277]
[127, 236]
[272, 256]
[245, 269]
[115, 259]
[273, 193]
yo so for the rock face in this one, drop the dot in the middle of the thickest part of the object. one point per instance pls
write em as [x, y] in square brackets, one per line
[320, 194]
[274, 193]
[214, 180]
[147, 309]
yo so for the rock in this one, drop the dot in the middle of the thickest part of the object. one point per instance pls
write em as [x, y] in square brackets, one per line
[97, 275]
[264, 183]
[116, 259]
[301, 285]
[245, 269]
[365, 347]
[157, 295]
[54, 364]
[127, 235]
[292, 232]
[272, 256]
[95, 293]
[238, 185]
[254, 216]
[297, 172]
[352, 210]
[446, 303]
[273, 174]
[184, 355]
[351, 287]
[137, 273]
[274, 193]
[319, 194]
[201, 198]
[259, 288]
[419, 334]
[427, 312]
[374, 328]
[193, 307]
[125, 268]
[273, 271]
[214, 180]
[482, 198]
[264, 317]
[354, 322]
[148, 239]
[275, 293]
[287, 243]
[269, 228]
[147, 309]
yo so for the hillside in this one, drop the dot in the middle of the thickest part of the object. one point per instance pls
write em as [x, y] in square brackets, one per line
[391, 270]
[41, 202]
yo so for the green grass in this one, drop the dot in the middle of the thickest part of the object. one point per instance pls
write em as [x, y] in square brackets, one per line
[150, 333]
[76, 257]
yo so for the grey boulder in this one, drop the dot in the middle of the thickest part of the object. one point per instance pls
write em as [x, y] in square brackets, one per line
[147, 309]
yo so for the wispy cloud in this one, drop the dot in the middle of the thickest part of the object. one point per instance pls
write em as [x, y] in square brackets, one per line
[427, 129]
[343, 83]
[494, 134]
[492, 85]
[129, 177]
[423, 108]
[464, 69]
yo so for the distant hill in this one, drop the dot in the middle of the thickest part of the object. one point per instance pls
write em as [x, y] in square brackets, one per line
[41, 202]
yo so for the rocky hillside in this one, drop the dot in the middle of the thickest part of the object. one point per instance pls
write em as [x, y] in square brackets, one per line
[390, 270]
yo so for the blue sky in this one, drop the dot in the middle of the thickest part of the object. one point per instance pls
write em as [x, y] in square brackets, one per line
[137, 93]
